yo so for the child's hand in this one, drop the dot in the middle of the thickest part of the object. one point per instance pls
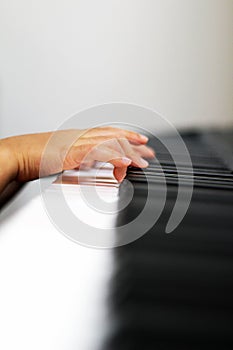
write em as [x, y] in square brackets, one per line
[28, 157]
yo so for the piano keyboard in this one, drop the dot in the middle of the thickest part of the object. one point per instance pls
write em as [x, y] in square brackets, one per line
[175, 291]
[209, 170]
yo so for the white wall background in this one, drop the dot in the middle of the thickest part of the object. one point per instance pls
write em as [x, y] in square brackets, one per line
[60, 56]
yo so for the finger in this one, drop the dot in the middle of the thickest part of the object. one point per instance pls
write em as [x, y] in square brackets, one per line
[94, 140]
[130, 153]
[100, 141]
[144, 151]
[101, 153]
[120, 173]
[133, 137]
[108, 155]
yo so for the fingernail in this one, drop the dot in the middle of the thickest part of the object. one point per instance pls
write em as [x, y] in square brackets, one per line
[143, 162]
[126, 160]
[144, 138]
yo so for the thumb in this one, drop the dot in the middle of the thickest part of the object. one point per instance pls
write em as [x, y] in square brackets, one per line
[120, 173]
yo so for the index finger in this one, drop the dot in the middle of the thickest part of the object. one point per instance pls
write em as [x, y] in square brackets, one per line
[134, 137]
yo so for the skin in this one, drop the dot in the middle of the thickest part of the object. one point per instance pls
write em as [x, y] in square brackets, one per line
[24, 158]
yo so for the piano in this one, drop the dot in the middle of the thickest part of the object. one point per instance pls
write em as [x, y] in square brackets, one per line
[164, 290]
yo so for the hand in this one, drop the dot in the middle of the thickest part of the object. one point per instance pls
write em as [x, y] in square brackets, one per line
[68, 149]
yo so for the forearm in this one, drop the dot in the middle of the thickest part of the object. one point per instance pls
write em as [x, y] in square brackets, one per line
[8, 166]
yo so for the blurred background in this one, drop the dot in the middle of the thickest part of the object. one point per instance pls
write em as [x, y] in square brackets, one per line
[58, 57]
